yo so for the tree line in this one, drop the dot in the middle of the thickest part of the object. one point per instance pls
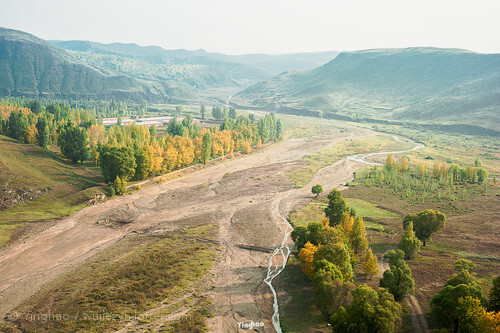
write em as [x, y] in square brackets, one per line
[418, 183]
[133, 152]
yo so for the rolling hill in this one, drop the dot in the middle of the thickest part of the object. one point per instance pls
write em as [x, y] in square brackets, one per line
[428, 85]
[32, 67]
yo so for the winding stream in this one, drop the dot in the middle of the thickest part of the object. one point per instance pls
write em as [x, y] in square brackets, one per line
[284, 250]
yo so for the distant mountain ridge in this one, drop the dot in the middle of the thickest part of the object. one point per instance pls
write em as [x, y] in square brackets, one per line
[32, 67]
[413, 84]
[269, 65]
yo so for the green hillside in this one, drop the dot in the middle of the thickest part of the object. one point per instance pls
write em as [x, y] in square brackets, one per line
[56, 186]
[34, 68]
[429, 85]
[31, 67]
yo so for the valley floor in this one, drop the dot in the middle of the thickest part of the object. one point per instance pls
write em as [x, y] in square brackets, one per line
[244, 197]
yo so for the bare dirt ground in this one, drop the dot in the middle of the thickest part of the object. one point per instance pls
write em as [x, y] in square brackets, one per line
[240, 195]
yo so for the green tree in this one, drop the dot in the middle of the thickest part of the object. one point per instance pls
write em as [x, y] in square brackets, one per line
[120, 186]
[152, 131]
[444, 305]
[425, 223]
[336, 207]
[73, 142]
[187, 122]
[143, 107]
[217, 113]
[3, 125]
[143, 164]
[178, 110]
[206, 147]
[35, 107]
[371, 311]
[43, 132]
[471, 316]
[409, 243]
[174, 128]
[482, 175]
[370, 265]
[203, 111]
[358, 236]
[398, 279]
[17, 126]
[279, 128]
[299, 237]
[314, 233]
[317, 189]
[232, 113]
[477, 162]
[338, 255]
[329, 289]
[494, 296]
[116, 161]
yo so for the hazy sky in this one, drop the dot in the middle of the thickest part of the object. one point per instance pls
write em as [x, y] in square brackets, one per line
[268, 26]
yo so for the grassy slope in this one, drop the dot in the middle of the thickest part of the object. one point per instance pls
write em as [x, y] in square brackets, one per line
[29, 166]
[418, 84]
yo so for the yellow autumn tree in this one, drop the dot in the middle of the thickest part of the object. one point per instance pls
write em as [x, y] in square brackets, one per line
[473, 317]
[197, 150]
[347, 221]
[170, 158]
[31, 134]
[404, 164]
[245, 147]
[358, 236]
[225, 140]
[95, 155]
[96, 134]
[436, 169]
[422, 169]
[370, 266]
[390, 163]
[306, 255]
[185, 150]
[155, 152]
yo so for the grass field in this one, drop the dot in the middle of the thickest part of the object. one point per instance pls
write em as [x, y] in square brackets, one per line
[119, 284]
[68, 185]
[452, 147]
[310, 164]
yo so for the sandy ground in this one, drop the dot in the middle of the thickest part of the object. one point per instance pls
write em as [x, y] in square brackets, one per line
[246, 196]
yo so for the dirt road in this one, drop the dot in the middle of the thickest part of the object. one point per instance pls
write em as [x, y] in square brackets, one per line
[246, 196]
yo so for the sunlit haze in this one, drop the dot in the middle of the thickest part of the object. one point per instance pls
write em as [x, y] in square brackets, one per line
[263, 26]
